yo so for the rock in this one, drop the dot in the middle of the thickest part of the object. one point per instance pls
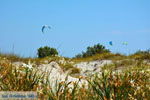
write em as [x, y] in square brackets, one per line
[57, 74]
[18, 64]
[92, 66]
[21, 64]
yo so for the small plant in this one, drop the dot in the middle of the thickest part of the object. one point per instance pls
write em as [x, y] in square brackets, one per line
[129, 85]
[18, 79]
[75, 71]
[46, 51]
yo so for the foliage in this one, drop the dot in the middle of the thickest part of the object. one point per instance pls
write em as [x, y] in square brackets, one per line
[46, 51]
[141, 55]
[70, 68]
[96, 49]
[105, 56]
[143, 52]
[130, 84]
[18, 79]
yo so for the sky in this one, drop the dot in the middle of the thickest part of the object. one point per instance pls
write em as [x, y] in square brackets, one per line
[75, 25]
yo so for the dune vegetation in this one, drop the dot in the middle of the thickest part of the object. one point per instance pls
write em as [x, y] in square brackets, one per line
[126, 78]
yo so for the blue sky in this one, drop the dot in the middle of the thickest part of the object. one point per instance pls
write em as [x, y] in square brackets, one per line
[75, 24]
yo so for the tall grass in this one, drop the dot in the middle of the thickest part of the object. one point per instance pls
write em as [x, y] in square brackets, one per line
[108, 56]
[130, 84]
[22, 79]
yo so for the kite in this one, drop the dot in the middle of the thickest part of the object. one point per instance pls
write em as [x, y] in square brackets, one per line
[45, 26]
[125, 43]
[110, 43]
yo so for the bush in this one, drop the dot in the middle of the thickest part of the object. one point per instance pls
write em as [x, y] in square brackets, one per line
[96, 49]
[143, 52]
[46, 51]
[141, 55]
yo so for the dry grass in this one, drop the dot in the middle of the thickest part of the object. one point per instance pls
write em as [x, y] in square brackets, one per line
[132, 83]
[103, 56]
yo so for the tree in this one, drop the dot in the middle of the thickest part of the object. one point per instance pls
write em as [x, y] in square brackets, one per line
[96, 49]
[46, 51]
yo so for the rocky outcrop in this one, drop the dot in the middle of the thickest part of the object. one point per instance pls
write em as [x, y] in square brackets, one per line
[92, 67]
[56, 74]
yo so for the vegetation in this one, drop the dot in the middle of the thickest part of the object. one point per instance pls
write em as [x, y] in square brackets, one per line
[129, 85]
[132, 82]
[106, 56]
[140, 55]
[96, 49]
[46, 51]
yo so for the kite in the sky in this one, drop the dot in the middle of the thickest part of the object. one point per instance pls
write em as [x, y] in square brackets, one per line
[110, 43]
[45, 26]
[125, 43]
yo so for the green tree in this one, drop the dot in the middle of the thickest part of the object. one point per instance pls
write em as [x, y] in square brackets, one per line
[46, 51]
[96, 49]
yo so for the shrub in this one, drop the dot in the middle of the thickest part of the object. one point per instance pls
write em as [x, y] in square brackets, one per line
[46, 51]
[143, 52]
[75, 71]
[96, 49]
[141, 55]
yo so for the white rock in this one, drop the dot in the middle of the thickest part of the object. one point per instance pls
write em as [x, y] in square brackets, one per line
[57, 74]
[92, 66]
[21, 64]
